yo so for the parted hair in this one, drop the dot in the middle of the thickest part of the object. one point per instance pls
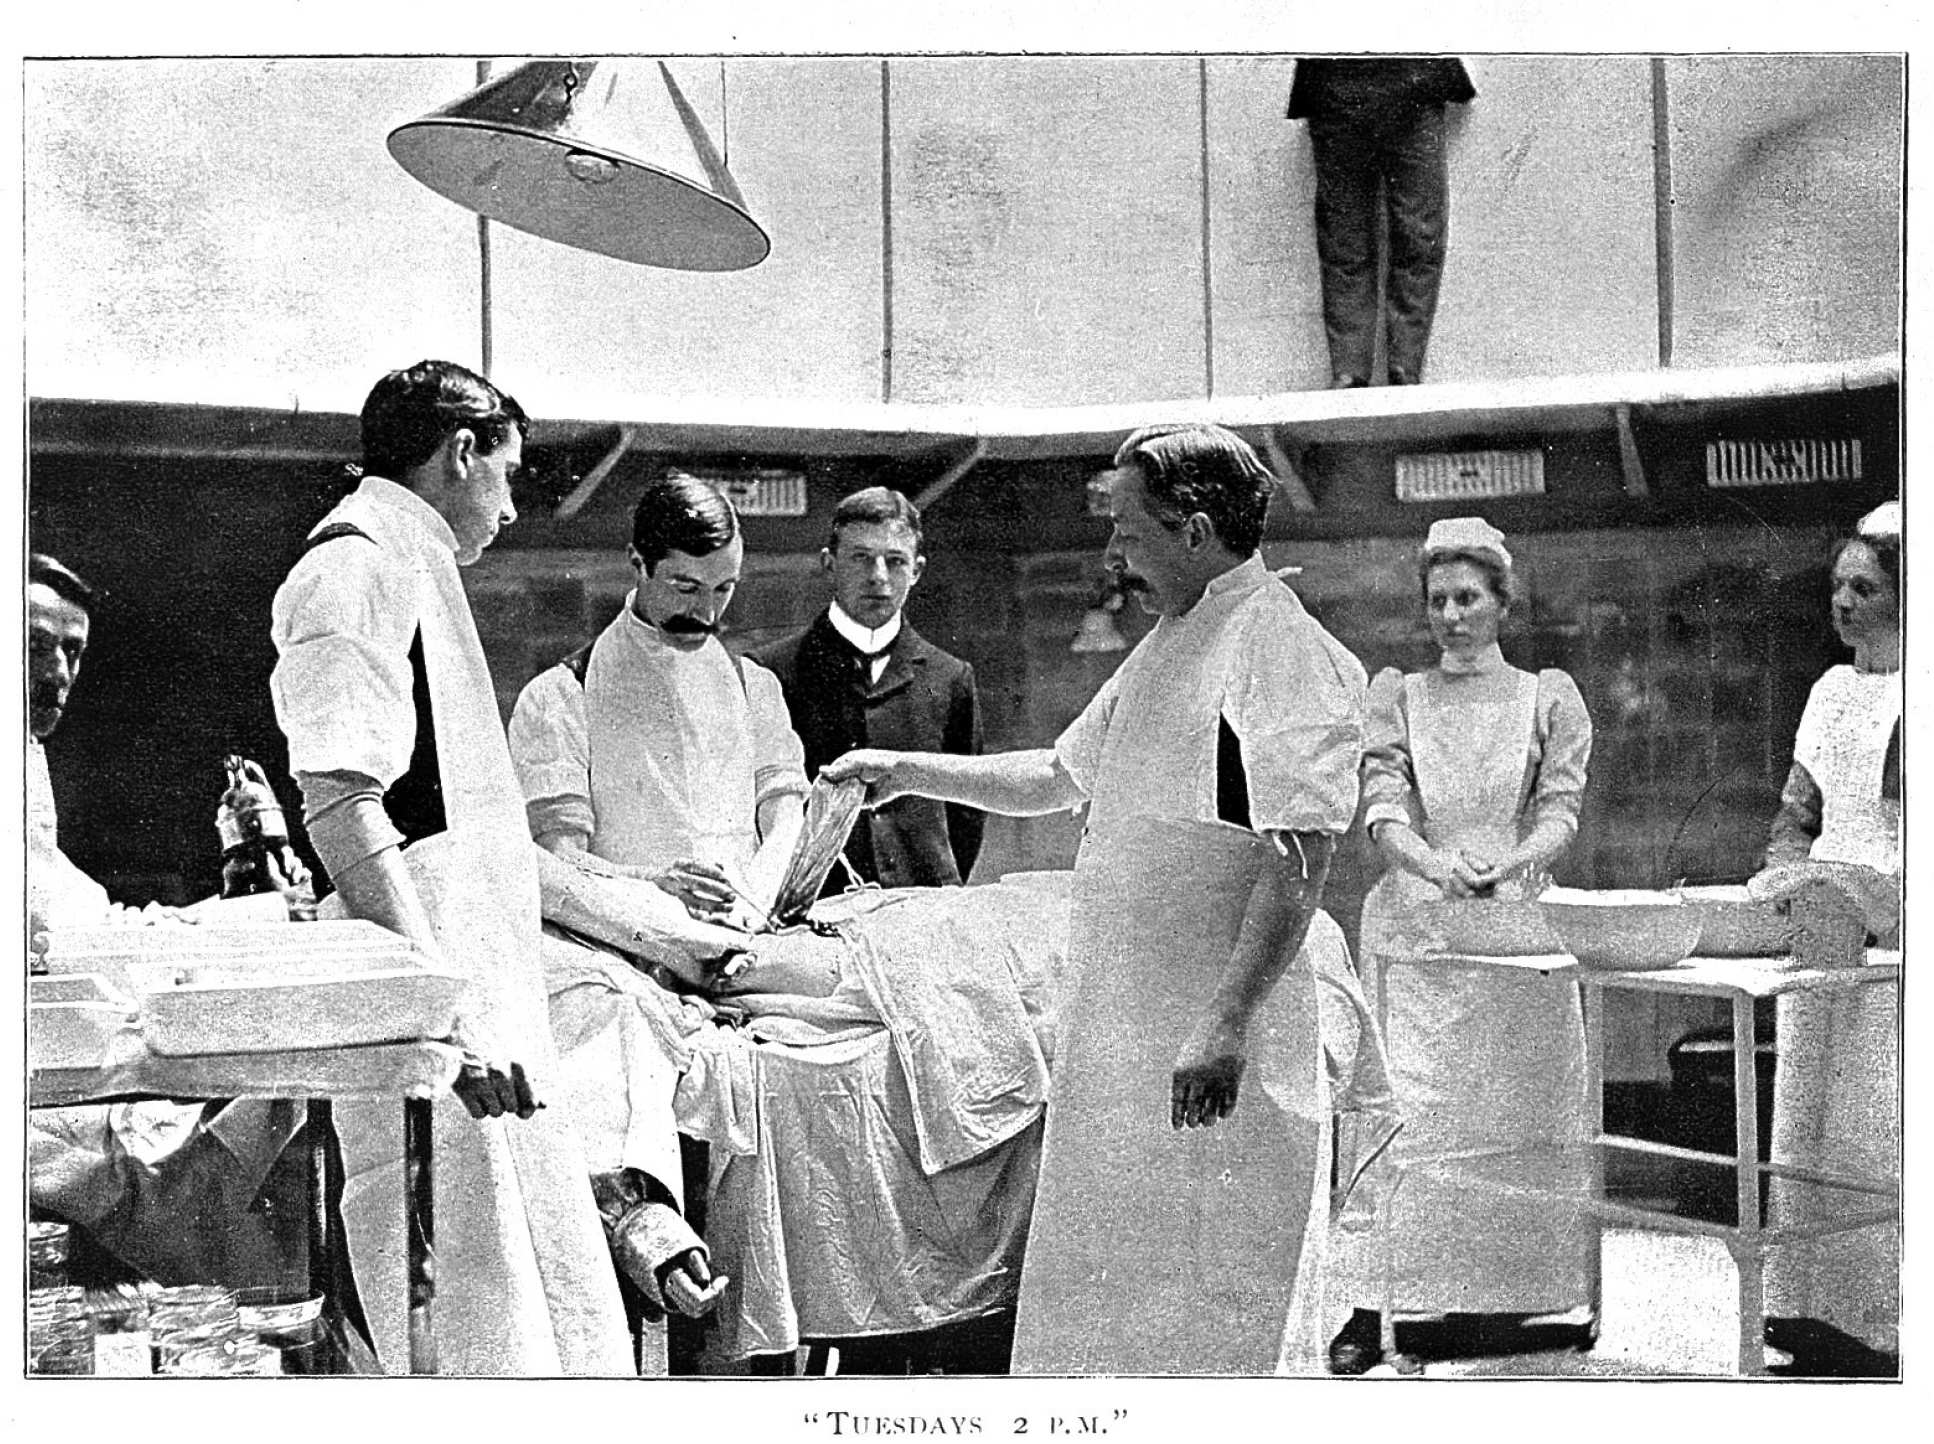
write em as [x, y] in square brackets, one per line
[410, 412]
[680, 513]
[876, 505]
[63, 581]
[1200, 467]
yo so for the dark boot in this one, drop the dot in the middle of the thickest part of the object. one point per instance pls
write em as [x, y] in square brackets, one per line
[1358, 1346]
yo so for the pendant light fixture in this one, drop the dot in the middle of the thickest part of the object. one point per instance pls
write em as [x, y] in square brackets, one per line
[604, 155]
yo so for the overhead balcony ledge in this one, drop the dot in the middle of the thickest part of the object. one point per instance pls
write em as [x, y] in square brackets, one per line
[1288, 421]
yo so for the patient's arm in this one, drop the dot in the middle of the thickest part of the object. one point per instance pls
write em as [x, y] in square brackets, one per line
[634, 916]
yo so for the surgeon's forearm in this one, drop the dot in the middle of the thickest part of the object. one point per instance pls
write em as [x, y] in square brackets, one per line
[1284, 898]
[379, 889]
[780, 820]
[1016, 784]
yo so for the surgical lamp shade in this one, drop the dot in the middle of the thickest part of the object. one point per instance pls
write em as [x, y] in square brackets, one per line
[556, 148]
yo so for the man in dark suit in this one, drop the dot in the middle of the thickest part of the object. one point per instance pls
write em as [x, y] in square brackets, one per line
[860, 676]
[1376, 130]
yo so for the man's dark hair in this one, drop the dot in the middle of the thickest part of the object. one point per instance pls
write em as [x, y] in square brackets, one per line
[1198, 467]
[64, 582]
[410, 412]
[874, 505]
[680, 513]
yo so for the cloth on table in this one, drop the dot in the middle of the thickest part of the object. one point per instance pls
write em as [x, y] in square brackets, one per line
[891, 1181]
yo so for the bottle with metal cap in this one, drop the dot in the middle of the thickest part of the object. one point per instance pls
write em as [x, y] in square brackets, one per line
[255, 835]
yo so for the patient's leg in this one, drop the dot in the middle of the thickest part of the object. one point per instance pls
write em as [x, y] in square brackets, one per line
[800, 962]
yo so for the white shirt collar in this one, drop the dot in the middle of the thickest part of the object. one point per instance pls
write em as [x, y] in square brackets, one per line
[869, 640]
[394, 497]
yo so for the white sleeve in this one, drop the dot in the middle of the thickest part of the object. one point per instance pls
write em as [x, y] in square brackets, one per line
[1297, 707]
[779, 758]
[1078, 748]
[342, 685]
[550, 746]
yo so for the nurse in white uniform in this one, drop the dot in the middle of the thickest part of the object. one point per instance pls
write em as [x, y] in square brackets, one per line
[1472, 778]
[1834, 1302]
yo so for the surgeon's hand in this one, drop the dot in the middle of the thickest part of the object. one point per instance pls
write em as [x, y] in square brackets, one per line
[688, 1284]
[1208, 1070]
[880, 770]
[702, 886]
[490, 1089]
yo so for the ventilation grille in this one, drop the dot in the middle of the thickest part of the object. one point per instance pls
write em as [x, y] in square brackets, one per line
[760, 492]
[1781, 463]
[1469, 475]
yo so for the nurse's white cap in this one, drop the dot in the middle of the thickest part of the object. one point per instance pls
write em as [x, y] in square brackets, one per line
[1467, 534]
[1883, 520]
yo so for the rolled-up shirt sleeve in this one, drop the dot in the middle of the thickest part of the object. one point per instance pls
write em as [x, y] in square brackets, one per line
[1296, 707]
[1565, 752]
[1389, 783]
[342, 686]
[550, 746]
[779, 758]
[1078, 748]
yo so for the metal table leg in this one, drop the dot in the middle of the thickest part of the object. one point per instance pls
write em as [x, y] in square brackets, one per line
[1592, 1003]
[1749, 1252]
[419, 1224]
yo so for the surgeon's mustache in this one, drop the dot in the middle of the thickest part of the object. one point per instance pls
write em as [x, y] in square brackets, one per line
[689, 627]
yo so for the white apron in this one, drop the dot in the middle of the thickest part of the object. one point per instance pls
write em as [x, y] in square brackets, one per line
[524, 1280]
[1836, 1085]
[1156, 1250]
[1481, 1058]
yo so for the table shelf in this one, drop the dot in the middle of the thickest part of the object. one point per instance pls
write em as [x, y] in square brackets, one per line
[1579, 1170]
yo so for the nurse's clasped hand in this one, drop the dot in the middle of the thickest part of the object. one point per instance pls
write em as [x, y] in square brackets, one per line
[1208, 1072]
[1463, 874]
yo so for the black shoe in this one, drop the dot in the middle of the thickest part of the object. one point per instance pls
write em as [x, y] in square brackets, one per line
[1358, 1346]
[1399, 377]
[1349, 382]
[1820, 1351]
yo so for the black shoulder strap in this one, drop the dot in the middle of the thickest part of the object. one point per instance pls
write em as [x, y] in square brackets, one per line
[332, 532]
